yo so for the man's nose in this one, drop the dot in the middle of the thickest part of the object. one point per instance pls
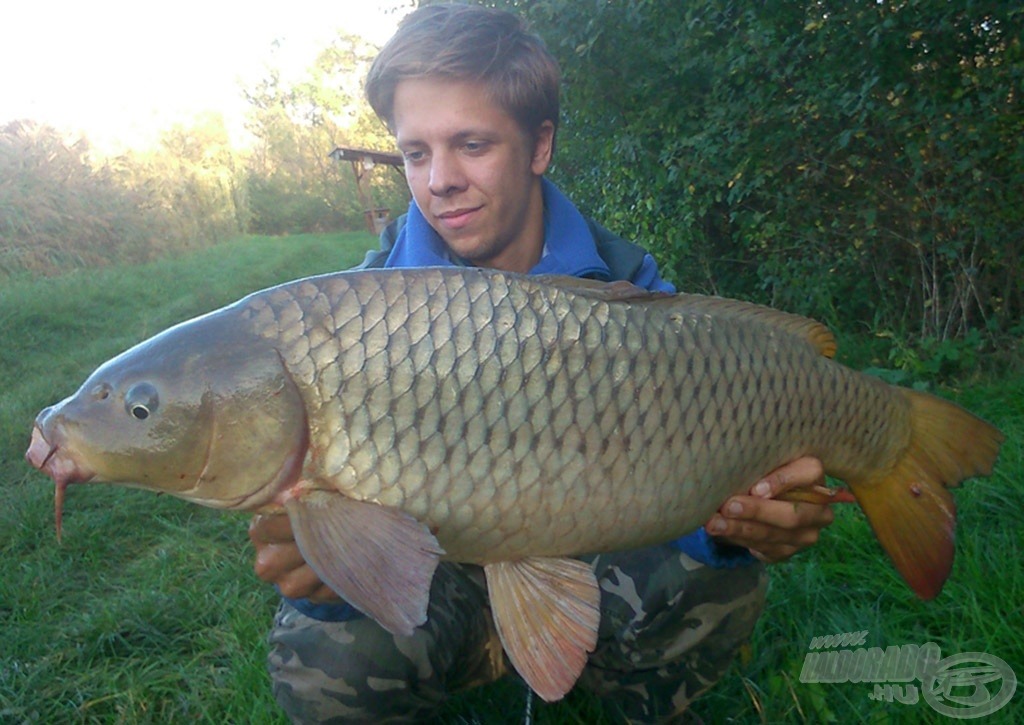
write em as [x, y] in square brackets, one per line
[446, 175]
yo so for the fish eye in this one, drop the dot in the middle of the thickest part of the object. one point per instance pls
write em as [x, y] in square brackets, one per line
[141, 401]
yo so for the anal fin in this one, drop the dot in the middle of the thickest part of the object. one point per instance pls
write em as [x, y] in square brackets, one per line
[547, 611]
[379, 559]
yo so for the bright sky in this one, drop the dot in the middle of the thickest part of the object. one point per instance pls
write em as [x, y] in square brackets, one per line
[120, 71]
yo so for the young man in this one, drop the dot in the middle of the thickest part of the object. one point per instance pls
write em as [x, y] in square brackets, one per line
[472, 99]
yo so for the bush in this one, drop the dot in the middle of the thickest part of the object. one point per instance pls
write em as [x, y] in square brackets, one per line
[56, 210]
[859, 162]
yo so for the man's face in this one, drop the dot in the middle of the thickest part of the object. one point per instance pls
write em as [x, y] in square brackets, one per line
[474, 173]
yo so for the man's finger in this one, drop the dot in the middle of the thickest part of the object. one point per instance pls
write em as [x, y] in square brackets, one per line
[275, 561]
[324, 595]
[754, 534]
[820, 495]
[770, 541]
[801, 472]
[303, 583]
[271, 529]
[773, 513]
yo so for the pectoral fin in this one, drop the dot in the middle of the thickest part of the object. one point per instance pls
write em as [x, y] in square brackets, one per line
[379, 559]
[546, 612]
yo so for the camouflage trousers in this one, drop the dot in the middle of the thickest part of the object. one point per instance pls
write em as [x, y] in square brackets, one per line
[670, 626]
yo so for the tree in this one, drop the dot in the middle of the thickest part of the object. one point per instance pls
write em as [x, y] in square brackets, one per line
[294, 186]
[197, 178]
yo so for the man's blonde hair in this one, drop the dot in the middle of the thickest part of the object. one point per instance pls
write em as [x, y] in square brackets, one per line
[470, 43]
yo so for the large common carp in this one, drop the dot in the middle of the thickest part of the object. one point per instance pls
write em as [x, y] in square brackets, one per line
[402, 416]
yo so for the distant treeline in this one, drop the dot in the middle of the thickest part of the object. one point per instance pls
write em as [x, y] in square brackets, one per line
[62, 205]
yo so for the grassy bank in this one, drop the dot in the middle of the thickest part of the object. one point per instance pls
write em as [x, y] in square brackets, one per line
[149, 611]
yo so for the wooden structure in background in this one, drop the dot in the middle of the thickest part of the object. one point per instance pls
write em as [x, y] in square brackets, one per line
[363, 161]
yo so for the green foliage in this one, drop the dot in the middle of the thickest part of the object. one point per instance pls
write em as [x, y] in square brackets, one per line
[279, 206]
[194, 179]
[58, 208]
[293, 185]
[860, 162]
[201, 179]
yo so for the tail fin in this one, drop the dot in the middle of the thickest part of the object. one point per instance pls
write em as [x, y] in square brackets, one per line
[909, 508]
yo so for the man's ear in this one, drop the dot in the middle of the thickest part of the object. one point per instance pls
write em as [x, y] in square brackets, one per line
[543, 148]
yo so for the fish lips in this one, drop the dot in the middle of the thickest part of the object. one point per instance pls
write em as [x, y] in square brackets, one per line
[46, 453]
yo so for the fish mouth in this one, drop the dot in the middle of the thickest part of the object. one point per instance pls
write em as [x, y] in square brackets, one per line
[55, 462]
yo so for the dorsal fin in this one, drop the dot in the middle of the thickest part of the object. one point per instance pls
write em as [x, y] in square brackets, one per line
[815, 333]
[618, 291]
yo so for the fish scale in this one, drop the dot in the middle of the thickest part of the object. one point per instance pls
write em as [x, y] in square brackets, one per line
[401, 416]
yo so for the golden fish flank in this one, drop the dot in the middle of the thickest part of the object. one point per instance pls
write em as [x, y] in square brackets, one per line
[403, 415]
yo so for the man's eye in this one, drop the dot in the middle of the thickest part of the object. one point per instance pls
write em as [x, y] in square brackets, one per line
[413, 156]
[474, 147]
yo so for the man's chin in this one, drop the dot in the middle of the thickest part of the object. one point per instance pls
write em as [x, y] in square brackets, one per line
[470, 249]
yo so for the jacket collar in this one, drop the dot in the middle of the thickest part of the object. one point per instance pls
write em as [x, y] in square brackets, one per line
[569, 246]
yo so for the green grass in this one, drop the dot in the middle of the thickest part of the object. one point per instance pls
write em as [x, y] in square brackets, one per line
[149, 611]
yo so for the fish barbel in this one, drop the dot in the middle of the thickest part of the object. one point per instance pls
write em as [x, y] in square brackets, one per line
[403, 416]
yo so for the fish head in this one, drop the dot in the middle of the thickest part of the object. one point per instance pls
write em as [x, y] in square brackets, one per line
[205, 411]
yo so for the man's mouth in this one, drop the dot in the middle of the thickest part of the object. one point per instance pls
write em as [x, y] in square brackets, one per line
[457, 218]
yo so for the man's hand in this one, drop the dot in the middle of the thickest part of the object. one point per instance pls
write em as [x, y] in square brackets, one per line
[774, 530]
[279, 561]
